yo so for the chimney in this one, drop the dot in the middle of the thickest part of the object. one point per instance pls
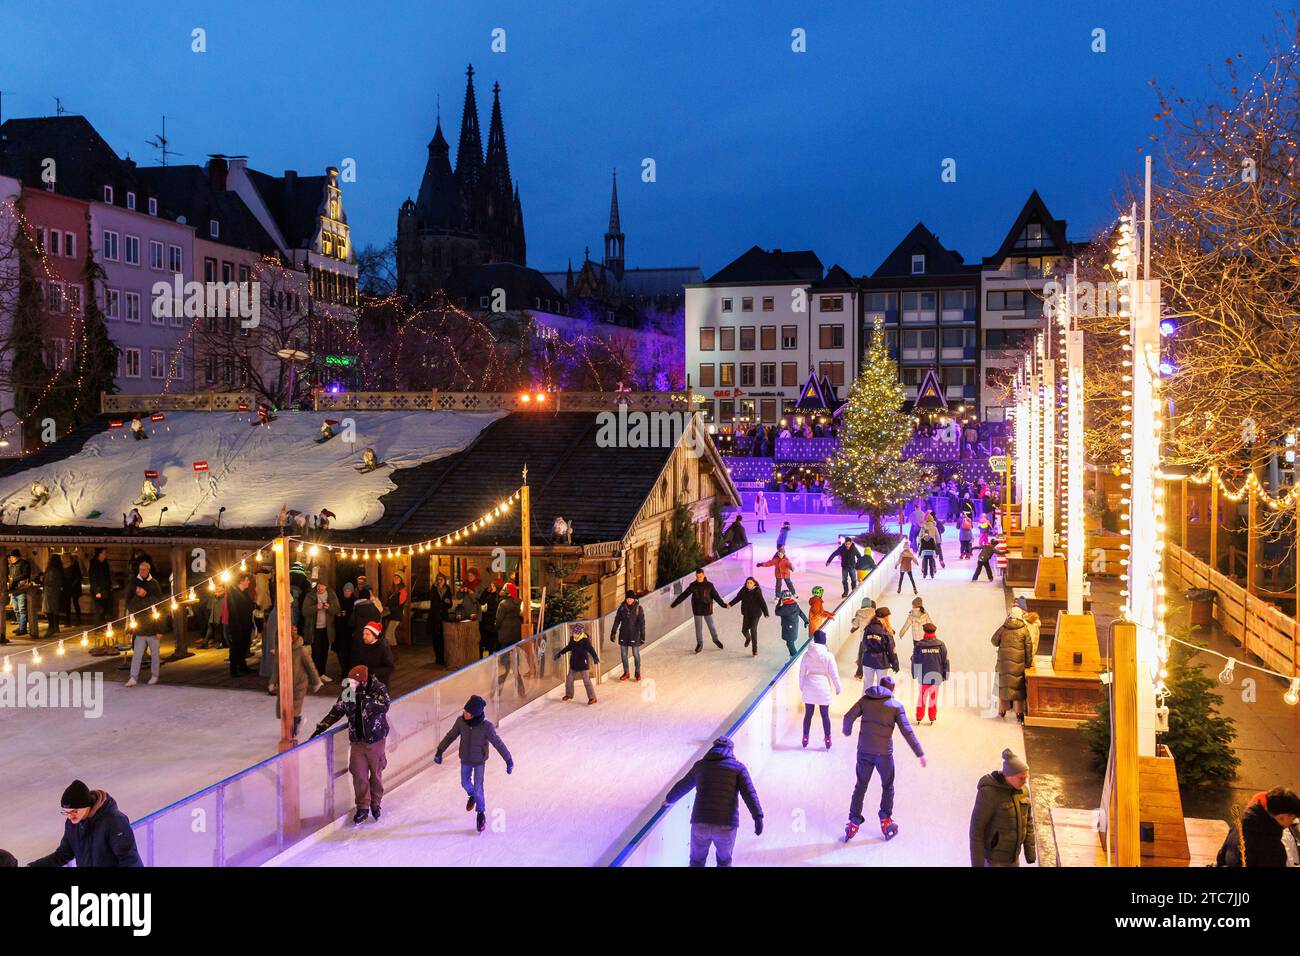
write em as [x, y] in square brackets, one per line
[217, 171]
[290, 180]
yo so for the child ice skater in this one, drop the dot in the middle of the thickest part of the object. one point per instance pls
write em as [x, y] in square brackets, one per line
[581, 654]
[930, 668]
[475, 733]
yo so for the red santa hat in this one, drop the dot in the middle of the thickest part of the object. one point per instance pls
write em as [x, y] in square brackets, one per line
[374, 629]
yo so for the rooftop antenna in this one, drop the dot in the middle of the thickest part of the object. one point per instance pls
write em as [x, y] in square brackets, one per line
[161, 143]
[58, 106]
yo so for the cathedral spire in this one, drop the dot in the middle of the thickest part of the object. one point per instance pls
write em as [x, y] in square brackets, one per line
[469, 153]
[614, 236]
[497, 166]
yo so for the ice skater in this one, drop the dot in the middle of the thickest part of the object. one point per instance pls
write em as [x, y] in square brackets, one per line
[475, 733]
[819, 682]
[718, 779]
[782, 535]
[930, 668]
[929, 550]
[753, 607]
[880, 715]
[917, 618]
[965, 538]
[581, 654]
[363, 700]
[703, 596]
[629, 631]
[760, 513]
[877, 652]
[982, 563]
[847, 552]
[905, 562]
[817, 614]
[782, 568]
[790, 613]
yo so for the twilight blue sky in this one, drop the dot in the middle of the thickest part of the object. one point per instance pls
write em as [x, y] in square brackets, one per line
[837, 149]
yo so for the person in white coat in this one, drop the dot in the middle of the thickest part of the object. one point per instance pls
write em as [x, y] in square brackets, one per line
[916, 620]
[760, 512]
[819, 682]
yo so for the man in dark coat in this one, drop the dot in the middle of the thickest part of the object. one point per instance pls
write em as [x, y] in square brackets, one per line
[718, 779]
[239, 624]
[363, 700]
[703, 596]
[52, 593]
[1002, 821]
[72, 591]
[19, 584]
[142, 595]
[1260, 834]
[374, 653]
[880, 714]
[847, 552]
[101, 587]
[629, 631]
[95, 833]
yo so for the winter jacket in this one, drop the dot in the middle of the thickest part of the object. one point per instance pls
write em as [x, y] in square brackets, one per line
[880, 714]
[906, 560]
[781, 537]
[861, 618]
[299, 585]
[819, 675]
[395, 604]
[930, 660]
[72, 580]
[629, 624]
[878, 651]
[734, 538]
[928, 546]
[310, 605]
[987, 551]
[102, 839]
[19, 572]
[487, 600]
[510, 621]
[136, 604]
[703, 596]
[1263, 837]
[366, 711]
[817, 615]
[52, 585]
[363, 613]
[378, 658]
[239, 613]
[781, 566]
[475, 736]
[101, 580]
[864, 561]
[1001, 823]
[790, 614]
[752, 603]
[915, 624]
[718, 778]
[581, 653]
[760, 508]
[848, 555]
[1015, 653]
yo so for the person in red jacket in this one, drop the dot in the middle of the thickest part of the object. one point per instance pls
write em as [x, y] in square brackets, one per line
[781, 567]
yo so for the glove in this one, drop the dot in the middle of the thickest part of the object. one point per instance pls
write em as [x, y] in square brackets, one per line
[557, 656]
[437, 758]
[510, 767]
[317, 732]
[758, 826]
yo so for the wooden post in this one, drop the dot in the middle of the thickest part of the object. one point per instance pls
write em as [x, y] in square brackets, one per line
[1214, 518]
[1182, 512]
[1006, 480]
[181, 650]
[525, 560]
[283, 641]
[1252, 548]
[1123, 816]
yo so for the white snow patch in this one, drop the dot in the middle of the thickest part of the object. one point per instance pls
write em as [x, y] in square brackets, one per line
[252, 470]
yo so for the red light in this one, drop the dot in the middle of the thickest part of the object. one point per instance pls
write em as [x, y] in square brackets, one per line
[525, 398]
[541, 397]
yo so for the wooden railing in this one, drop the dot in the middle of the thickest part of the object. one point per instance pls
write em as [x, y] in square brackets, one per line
[177, 402]
[1255, 624]
[404, 401]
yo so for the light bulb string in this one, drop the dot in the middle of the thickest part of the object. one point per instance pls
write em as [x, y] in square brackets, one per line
[1251, 480]
[1289, 678]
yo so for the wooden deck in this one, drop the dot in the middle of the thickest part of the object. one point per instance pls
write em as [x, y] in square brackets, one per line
[1079, 844]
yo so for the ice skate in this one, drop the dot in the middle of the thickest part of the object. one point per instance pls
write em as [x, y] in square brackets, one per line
[889, 828]
[850, 831]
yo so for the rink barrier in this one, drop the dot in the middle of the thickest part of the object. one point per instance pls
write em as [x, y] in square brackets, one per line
[777, 710]
[259, 813]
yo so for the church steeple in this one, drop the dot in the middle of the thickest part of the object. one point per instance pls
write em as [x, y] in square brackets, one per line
[497, 166]
[614, 236]
[469, 152]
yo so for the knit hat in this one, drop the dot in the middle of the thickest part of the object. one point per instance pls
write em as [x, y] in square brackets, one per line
[1011, 764]
[476, 705]
[929, 628]
[630, 593]
[819, 636]
[77, 797]
[868, 602]
[360, 673]
[887, 682]
[374, 629]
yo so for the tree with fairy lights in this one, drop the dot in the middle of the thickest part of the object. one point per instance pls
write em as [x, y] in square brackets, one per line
[99, 354]
[869, 471]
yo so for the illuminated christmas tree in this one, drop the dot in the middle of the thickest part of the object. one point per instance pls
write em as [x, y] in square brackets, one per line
[869, 472]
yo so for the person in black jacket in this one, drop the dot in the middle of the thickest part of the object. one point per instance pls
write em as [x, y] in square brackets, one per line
[753, 606]
[363, 700]
[629, 631]
[930, 668]
[101, 587]
[95, 833]
[703, 596]
[375, 653]
[717, 779]
[877, 651]
[984, 560]
[847, 552]
[71, 606]
[1260, 833]
[19, 588]
[488, 597]
[239, 624]
[52, 593]
[581, 654]
[142, 594]
[364, 611]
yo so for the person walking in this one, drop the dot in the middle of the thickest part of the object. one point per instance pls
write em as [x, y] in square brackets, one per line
[720, 781]
[965, 538]
[753, 607]
[847, 552]
[1002, 820]
[790, 613]
[906, 560]
[929, 550]
[782, 535]
[930, 669]
[878, 653]
[819, 682]
[239, 624]
[320, 613]
[475, 733]
[983, 561]
[760, 513]
[18, 586]
[394, 608]
[782, 567]
[1015, 654]
[581, 653]
[101, 587]
[52, 593]
[363, 702]
[142, 593]
[703, 596]
[95, 832]
[917, 618]
[1256, 839]
[510, 619]
[439, 614]
[880, 714]
[629, 631]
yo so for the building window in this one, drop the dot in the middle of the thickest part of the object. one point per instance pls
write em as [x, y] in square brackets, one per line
[769, 303]
[789, 374]
[830, 336]
[747, 374]
[210, 369]
[707, 339]
[747, 303]
[112, 304]
[214, 229]
[175, 262]
[726, 305]
[54, 244]
[767, 374]
[726, 412]
[155, 254]
[132, 307]
[747, 339]
[153, 206]
[918, 265]
[74, 299]
[157, 363]
[706, 375]
[108, 195]
[1006, 338]
[131, 251]
[56, 297]
[767, 338]
[789, 336]
[831, 303]
[209, 270]
[727, 340]
[132, 357]
[110, 245]
[70, 245]
[130, 200]
[727, 375]
[833, 371]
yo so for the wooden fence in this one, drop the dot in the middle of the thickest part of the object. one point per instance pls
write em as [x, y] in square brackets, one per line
[433, 401]
[1252, 622]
